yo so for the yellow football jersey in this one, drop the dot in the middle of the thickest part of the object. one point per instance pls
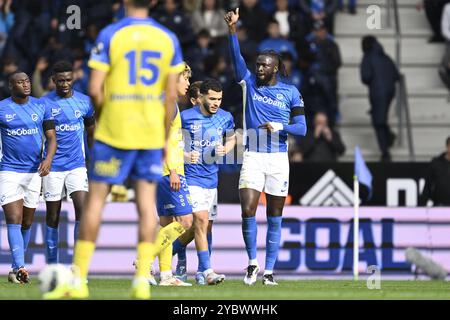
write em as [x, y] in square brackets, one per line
[138, 54]
[175, 153]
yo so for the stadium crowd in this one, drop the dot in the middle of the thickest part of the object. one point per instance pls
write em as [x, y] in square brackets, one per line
[34, 35]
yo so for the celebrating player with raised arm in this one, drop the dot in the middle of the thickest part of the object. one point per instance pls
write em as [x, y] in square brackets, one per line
[24, 123]
[272, 109]
[135, 62]
[73, 113]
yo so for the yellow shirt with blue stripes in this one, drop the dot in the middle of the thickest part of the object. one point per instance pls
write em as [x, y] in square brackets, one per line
[138, 54]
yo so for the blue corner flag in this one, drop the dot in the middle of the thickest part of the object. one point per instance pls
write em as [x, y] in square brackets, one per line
[362, 172]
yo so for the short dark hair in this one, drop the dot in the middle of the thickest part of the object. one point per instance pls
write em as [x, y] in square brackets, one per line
[194, 89]
[210, 84]
[62, 66]
[11, 76]
[447, 141]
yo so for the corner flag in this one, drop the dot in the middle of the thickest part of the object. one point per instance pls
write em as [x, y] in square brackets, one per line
[362, 173]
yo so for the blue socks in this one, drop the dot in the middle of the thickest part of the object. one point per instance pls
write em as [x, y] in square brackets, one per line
[51, 241]
[249, 231]
[75, 232]
[203, 261]
[26, 235]
[209, 238]
[16, 245]
[179, 249]
[272, 241]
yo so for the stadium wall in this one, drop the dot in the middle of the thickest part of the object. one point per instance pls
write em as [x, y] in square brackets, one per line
[316, 242]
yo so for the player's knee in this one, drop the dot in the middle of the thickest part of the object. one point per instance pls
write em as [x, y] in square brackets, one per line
[248, 211]
[201, 223]
[186, 222]
[51, 220]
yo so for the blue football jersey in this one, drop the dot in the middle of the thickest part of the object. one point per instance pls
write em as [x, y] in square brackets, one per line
[69, 114]
[203, 133]
[264, 104]
[22, 134]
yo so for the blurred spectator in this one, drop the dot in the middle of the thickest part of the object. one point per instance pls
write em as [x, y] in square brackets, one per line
[38, 86]
[249, 47]
[294, 151]
[351, 5]
[444, 69]
[380, 74]
[437, 184]
[253, 18]
[320, 10]
[295, 76]
[92, 32]
[290, 21]
[197, 53]
[276, 42]
[433, 11]
[210, 17]
[9, 65]
[324, 60]
[189, 6]
[175, 19]
[322, 143]
[6, 22]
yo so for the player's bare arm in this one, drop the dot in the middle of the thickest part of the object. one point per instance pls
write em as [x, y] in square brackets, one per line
[46, 164]
[96, 89]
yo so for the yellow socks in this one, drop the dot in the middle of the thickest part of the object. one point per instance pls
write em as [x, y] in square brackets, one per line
[82, 256]
[165, 259]
[166, 236]
[145, 254]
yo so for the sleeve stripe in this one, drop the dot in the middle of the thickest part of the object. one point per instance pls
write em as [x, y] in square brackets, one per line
[97, 65]
[177, 68]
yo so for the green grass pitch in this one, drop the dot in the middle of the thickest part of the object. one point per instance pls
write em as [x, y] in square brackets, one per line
[236, 290]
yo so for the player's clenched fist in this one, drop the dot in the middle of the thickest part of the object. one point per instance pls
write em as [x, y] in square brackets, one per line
[220, 150]
[231, 17]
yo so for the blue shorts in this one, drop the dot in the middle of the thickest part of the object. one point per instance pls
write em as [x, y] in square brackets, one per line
[113, 166]
[173, 203]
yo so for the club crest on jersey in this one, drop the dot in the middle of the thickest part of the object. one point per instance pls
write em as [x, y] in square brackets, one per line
[10, 117]
[279, 96]
[56, 111]
[34, 117]
[219, 131]
[98, 48]
[77, 113]
[195, 128]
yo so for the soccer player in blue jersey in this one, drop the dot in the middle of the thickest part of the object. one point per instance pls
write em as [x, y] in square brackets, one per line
[24, 123]
[272, 110]
[74, 115]
[205, 127]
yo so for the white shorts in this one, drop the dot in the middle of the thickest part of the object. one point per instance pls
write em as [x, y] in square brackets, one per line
[268, 172]
[204, 200]
[74, 180]
[16, 186]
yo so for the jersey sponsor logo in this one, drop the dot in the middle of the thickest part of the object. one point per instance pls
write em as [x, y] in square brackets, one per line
[22, 131]
[34, 117]
[56, 111]
[204, 143]
[108, 168]
[330, 190]
[77, 113]
[68, 127]
[10, 117]
[276, 103]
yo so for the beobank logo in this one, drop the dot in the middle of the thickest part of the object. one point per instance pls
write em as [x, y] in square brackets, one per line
[22, 131]
[268, 100]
